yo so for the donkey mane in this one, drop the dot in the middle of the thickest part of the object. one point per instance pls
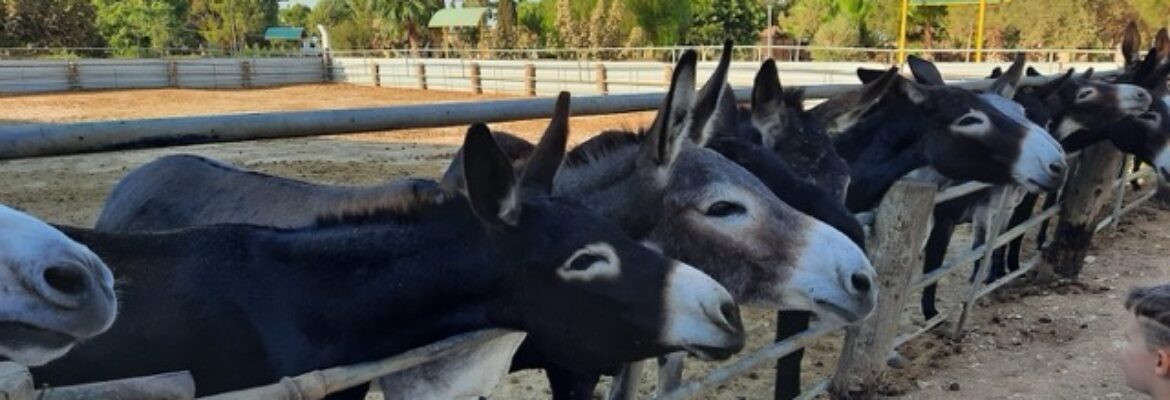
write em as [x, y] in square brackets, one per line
[601, 146]
[406, 198]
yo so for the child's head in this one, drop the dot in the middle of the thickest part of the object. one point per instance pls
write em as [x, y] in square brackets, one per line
[1146, 356]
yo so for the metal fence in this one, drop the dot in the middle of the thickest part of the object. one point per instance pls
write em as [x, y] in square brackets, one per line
[38, 140]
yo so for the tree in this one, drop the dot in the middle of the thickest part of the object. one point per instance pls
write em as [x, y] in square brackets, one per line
[230, 23]
[738, 20]
[806, 16]
[663, 22]
[1154, 13]
[49, 23]
[410, 17]
[129, 25]
[297, 15]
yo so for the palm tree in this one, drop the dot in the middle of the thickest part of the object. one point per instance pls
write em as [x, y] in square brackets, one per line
[411, 17]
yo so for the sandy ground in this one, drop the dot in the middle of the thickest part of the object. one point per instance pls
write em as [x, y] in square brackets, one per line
[1041, 343]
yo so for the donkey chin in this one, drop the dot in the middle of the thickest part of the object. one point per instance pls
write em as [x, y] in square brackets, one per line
[833, 279]
[31, 346]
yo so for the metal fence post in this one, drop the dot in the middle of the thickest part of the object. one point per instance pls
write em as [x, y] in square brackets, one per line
[376, 74]
[900, 231]
[476, 79]
[602, 78]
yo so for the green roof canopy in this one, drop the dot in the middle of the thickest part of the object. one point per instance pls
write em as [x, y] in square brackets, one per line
[284, 33]
[457, 17]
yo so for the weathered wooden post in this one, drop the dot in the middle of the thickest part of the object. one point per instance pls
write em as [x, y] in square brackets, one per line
[420, 70]
[1084, 195]
[173, 73]
[476, 79]
[602, 78]
[73, 75]
[376, 74]
[246, 74]
[900, 230]
[530, 79]
[16, 382]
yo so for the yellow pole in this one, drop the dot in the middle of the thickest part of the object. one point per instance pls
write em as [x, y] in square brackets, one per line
[979, 31]
[902, 33]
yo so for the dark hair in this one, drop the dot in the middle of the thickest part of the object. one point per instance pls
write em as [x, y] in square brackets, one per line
[1152, 307]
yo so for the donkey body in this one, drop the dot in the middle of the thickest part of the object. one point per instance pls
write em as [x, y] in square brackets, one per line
[54, 292]
[242, 305]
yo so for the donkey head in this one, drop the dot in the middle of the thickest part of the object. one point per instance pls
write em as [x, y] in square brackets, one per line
[1080, 103]
[54, 292]
[702, 208]
[777, 120]
[1146, 135]
[983, 137]
[588, 295]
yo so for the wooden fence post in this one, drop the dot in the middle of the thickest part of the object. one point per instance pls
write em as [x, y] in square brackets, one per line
[900, 230]
[530, 79]
[173, 73]
[420, 70]
[1085, 193]
[602, 78]
[246, 74]
[376, 74]
[73, 75]
[476, 79]
[16, 382]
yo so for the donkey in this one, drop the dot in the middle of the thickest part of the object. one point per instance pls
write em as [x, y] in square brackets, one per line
[54, 292]
[242, 305]
[957, 132]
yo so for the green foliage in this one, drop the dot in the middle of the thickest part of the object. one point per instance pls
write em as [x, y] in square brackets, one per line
[1154, 13]
[805, 17]
[232, 24]
[664, 22]
[739, 20]
[297, 15]
[129, 25]
[48, 23]
[838, 32]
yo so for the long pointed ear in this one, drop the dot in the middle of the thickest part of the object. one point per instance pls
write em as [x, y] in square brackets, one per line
[1006, 85]
[1088, 74]
[917, 93]
[490, 181]
[995, 73]
[1032, 72]
[714, 108]
[666, 135]
[867, 75]
[1162, 43]
[1146, 67]
[1131, 41]
[550, 151]
[1051, 87]
[768, 114]
[874, 91]
[925, 72]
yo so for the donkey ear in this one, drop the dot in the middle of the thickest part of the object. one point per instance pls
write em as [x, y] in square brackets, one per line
[1131, 41]
[925, 72]
[490, 182]
[1088, 74]
[1032, 72]
[666, 135]
[915, 92]
[1155, 82]
[550, 151]
[768, 103]
[514, 147]
[867, 75]
[875, 90]
[714, 109]
[1051, 87]
[995, 73]
[1006, 85]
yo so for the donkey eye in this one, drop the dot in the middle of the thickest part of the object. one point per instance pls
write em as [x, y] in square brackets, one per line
[969, 120]
[1084, 94]
[725, 209]
[585, 261]
[1149, 116]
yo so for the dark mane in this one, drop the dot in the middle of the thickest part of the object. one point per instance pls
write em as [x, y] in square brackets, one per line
[600, 146]
[405, 198]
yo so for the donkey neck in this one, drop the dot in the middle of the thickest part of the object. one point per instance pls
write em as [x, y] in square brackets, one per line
[610, 183]
[886, 131]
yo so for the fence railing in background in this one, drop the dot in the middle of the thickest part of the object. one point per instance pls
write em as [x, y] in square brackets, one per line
[24, 76]
[40, 140]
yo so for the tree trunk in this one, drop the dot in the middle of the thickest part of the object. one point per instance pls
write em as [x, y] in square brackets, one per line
[1086, 192]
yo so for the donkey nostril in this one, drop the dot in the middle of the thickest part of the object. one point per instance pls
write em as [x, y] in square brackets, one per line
[860, 282]
[67, 280]
[1057, 167]
[731, 314]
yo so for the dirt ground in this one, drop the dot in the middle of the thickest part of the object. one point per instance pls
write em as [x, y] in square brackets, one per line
[1037, 343]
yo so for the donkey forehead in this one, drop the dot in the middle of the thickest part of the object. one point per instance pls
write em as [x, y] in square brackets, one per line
[698, 169]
